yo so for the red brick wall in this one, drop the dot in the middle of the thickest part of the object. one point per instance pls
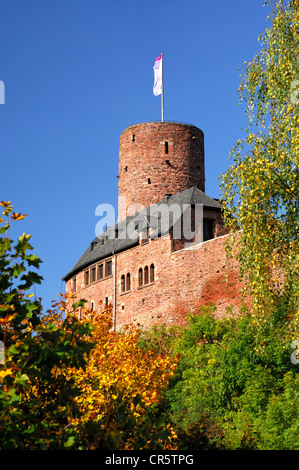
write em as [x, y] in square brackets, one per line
[142, 158]
[184, 280]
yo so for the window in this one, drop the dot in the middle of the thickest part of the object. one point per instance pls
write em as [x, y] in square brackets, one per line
[96, 273]
[140, 280]
[108, 268]
[125, 283]
[91, 306]
[106, 301]
[146, 275]
[207, 229]
[100, 271]
[128, 285]
[152, 273]
[166, 147]
[122, 283]
[148, 181]
[74, 287]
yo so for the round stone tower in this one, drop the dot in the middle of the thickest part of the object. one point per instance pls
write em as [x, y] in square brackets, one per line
[156, 159]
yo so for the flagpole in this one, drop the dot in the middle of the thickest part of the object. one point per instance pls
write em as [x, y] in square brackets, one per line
[162, 95]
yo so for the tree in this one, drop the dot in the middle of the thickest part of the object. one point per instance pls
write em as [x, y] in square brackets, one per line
[122, 390]
[70, 383]
[260, 190]
[37, 399]
[226, 394]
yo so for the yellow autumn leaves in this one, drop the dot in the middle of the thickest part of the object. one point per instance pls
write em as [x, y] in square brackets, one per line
[120, 375]
[260, 190]
[8, 208]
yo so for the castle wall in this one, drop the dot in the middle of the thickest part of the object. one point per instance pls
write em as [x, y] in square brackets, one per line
[184, 280]
[156, 159]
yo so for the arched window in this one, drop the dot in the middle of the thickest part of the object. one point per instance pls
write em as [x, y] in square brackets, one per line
[152, 273]
[122, 283]
[140, 280]
[146, 275]
[128, 286]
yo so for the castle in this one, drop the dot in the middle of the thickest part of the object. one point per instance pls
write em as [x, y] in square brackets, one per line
[165, 256]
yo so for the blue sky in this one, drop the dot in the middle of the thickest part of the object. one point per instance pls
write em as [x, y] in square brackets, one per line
[79, 72]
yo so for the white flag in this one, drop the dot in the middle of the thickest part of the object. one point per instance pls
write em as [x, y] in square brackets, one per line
[158, 76]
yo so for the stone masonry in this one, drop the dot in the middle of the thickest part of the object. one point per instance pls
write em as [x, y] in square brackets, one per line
[159, 280]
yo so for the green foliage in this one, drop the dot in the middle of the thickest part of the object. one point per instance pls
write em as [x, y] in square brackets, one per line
[36, 398]
[260, 189]
[228, 393]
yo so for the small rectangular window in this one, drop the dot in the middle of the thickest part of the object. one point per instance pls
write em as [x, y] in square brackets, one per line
[108, 268]
[166, 147]
[86, 277]
[148, 180]
[93, 274]
[74, 284]
[100, 271]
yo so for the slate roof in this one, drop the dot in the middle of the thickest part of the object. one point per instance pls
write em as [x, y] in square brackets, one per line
[106, 244]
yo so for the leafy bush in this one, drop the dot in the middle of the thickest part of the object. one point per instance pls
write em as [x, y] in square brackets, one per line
[229, 392]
